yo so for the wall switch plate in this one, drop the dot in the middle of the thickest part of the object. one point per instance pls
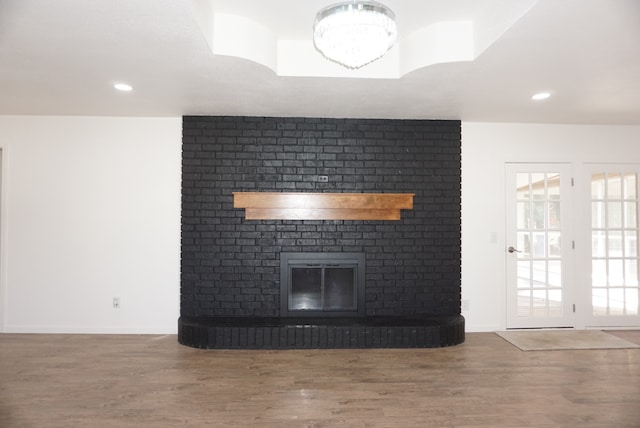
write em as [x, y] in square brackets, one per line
[116, 303]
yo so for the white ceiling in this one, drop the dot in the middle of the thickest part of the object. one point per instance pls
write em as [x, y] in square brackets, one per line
[62, 57]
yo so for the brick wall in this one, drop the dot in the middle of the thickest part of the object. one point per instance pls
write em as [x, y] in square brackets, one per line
[230, 266]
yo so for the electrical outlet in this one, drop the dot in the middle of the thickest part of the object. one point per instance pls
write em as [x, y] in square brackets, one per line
[116, 303]
[323, 178]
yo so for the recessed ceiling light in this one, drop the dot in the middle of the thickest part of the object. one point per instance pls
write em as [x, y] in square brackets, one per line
[541, 96]
[123, 87]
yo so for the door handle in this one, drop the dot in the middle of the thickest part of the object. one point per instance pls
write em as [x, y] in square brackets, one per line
[513, 250]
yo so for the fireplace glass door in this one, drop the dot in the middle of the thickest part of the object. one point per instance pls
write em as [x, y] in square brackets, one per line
[322, 284]
[323, 288]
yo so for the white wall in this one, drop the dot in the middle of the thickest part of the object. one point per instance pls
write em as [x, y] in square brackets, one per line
[486, 147]
[90, 211]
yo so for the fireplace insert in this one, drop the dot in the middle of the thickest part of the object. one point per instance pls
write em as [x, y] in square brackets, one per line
[322, 284]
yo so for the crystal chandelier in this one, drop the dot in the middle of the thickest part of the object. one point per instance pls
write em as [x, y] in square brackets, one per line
[354, 33]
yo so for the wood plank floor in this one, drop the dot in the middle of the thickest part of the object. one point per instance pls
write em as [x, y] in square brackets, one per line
[152, 381]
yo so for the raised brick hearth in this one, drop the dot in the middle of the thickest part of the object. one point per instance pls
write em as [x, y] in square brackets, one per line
[321, 333]
[230, 266]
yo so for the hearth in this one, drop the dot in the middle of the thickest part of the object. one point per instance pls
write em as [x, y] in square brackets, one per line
[322, 284]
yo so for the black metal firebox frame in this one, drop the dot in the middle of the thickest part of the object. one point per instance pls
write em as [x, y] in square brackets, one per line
[301, 259]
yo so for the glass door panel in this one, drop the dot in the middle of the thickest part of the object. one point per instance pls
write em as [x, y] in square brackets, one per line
[614, 247]
[536, 292]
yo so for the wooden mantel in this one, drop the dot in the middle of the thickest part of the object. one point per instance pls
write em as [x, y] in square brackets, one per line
[322, 206]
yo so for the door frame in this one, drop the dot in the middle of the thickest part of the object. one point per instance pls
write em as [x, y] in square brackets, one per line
[569, 290]
[3, 239]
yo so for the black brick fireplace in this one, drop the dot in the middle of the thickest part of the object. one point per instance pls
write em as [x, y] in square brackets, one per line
[231, 266]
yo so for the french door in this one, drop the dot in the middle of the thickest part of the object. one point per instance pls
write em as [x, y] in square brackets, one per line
[613, 255]
[572, 253]
[540, 291]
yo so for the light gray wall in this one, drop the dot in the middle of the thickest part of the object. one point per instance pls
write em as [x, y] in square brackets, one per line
[486, 148]
[91, 211]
